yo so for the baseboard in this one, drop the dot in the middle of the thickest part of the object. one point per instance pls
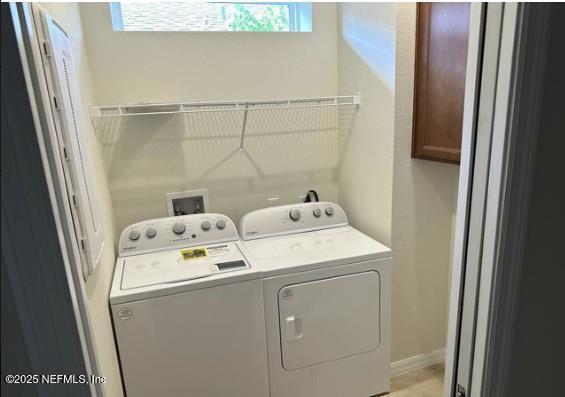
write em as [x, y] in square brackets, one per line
[416, 362]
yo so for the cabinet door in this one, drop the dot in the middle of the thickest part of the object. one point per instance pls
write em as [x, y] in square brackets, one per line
[439, 88]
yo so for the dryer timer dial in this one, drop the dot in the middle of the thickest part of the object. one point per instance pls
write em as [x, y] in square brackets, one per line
[294, 214]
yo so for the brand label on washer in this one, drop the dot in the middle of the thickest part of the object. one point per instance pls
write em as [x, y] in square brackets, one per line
[125, 313]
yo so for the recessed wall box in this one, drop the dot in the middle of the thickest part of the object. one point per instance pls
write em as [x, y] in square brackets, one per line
[189, 202]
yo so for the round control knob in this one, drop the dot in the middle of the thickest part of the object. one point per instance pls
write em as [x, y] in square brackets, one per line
[179, 228]
[220, 224]
[134, 235]
[329, 211]
[151, 232]
[205, 226]
[317, 212]
[294, 214]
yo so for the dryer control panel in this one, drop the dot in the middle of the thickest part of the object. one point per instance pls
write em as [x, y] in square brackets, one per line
[176, 232]
[290, 219]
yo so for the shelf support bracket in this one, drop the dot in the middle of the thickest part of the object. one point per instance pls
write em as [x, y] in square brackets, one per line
[243, 127]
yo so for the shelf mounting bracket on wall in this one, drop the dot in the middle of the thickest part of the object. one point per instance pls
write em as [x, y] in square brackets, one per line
[243, 127]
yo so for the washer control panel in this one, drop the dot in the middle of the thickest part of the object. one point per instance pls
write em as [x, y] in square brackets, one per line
[176, 232]
[293, 218]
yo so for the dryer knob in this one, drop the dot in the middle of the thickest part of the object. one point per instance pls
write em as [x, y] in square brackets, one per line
[220, 224]
[329, 211]
[179, 228]
[317, 212]
[134, 235]
[151, 232]
[205, 226]
[294, 214]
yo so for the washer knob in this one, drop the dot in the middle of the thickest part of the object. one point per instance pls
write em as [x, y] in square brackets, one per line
[294, 214]
[220, 224]
[179, 227]
[329, 211]
[151, 232]
[205, 226]
[134, 235]
[317, 212]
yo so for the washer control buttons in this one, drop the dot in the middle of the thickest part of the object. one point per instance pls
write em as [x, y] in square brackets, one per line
[317, 212]
[205, 225]
[329, 211]
[220, 224]
[134, 235]
[151, 232]
[179, 228]
[294, 214]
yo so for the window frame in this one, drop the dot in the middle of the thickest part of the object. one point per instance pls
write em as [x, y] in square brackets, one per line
[300, 18]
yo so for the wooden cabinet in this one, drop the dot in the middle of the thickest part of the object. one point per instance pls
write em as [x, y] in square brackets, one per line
[439, 87]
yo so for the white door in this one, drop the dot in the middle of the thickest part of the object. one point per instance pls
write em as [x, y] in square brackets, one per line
[329, 319]
[67, 115]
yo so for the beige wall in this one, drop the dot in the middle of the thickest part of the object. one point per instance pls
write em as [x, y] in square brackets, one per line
[408, 204]
[171, 66]
[423, 209]
[98, 284]
[148, 157]
[366, 45]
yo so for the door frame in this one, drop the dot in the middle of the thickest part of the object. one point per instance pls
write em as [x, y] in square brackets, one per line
[507, 57]
[53, 176]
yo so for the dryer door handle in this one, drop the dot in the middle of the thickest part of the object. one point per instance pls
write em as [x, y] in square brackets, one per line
[293, 328]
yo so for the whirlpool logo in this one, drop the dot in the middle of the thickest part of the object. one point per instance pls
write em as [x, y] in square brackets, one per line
[125, 313]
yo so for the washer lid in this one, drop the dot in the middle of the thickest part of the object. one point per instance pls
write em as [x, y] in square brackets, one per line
[180, 265]
[330, 247]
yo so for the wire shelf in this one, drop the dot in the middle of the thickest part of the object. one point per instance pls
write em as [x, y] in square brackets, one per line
[198, 143]
[147, 109]
[236, 120]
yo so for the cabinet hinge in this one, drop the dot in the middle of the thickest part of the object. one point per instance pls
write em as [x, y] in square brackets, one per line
[460, 391]
[75, 203]
[55, 102]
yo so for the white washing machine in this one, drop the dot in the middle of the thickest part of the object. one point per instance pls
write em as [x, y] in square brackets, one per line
[327, 292]
[187, 310]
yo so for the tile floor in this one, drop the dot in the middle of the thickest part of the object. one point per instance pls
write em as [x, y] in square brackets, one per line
[425, 382]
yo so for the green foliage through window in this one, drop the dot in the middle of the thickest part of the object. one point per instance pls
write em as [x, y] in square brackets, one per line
[271, 18]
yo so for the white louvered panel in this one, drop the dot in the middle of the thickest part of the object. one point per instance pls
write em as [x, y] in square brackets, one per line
[72, 138]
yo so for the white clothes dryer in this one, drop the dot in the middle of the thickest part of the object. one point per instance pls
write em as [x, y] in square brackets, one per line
[327, 292]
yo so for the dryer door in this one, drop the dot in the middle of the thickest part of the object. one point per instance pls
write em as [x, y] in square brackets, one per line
[329, 319]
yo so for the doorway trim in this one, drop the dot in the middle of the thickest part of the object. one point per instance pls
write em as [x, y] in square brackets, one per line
[520, 63]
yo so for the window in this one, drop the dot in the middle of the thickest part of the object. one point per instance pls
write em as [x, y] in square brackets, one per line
[211, 16]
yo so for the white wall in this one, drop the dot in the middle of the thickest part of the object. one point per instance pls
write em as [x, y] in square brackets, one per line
[98, 284]
[147, 157]
[423, 209]
[170, 66]
[366, 46]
